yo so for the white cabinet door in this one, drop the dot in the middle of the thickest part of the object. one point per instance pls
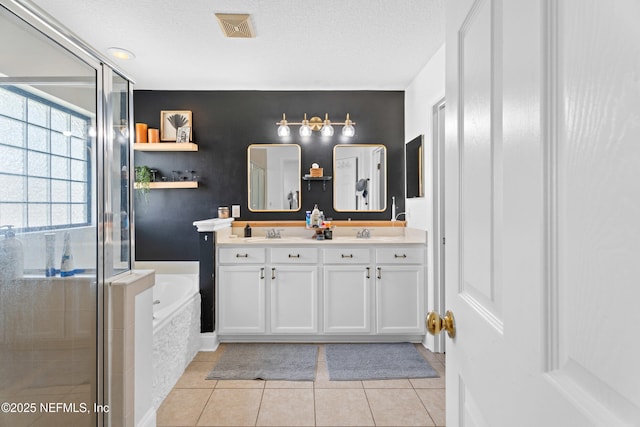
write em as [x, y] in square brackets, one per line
[400, 299]
[241, 299]
[294, 299]
[347, 299]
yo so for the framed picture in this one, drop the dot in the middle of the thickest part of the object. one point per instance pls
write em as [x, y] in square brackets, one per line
[182, 134]
[170, 121]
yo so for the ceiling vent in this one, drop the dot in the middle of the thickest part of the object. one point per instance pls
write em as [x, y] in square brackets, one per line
[236, 25]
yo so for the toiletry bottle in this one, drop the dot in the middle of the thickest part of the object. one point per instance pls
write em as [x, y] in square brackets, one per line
[315, 216]
[247, 230]
[308, 219]
[50, 245]
[66, 265]
[11, 256]
[393, 208]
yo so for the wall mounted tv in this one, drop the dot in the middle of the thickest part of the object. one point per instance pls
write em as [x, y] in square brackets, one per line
[413, 160]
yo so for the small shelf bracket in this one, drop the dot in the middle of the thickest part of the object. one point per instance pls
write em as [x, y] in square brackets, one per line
[324, 180]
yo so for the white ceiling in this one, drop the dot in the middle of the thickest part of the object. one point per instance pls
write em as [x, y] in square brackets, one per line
[299, 44]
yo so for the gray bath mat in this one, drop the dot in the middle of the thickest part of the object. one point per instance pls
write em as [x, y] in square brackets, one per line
[291, 362]
[348, 362]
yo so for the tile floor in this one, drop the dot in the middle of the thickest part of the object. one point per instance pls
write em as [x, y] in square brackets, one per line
[195, 401]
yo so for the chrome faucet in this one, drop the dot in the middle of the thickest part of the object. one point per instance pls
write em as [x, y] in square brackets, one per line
[273, 234]
[363, 234]
[401, 213]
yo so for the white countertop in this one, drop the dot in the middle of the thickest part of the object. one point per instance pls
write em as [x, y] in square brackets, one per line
[213, 224]
[380, 236]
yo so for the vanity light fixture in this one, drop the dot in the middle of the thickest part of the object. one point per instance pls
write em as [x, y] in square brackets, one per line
[348, 130]
[283, 129]
[305, 129]
[327, 129]
[307, 126]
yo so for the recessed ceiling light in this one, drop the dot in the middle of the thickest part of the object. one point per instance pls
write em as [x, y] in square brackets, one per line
[120, 53]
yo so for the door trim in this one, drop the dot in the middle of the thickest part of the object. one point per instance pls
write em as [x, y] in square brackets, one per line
[438, 112]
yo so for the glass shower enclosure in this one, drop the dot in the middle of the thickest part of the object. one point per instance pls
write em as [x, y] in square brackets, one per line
[65, 206]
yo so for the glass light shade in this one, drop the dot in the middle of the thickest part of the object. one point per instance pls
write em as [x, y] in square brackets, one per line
[348, 131]
[283, 130]
[327, 130]
[305, 130]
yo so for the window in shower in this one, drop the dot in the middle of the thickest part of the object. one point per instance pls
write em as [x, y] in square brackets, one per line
[45, 168]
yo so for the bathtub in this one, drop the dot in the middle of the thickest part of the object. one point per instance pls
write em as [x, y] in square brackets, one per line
[170, 294]
[176, 329]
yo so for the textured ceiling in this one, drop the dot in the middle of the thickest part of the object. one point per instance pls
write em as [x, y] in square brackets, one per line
[299, 44]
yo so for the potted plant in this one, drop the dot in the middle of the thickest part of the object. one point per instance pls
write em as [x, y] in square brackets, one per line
[143, 179]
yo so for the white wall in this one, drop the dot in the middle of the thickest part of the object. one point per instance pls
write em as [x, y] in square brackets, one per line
[426, 89]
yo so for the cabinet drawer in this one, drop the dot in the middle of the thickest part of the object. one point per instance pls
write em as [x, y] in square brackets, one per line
[347, 256]
[294, 255]
[242, 255]
[400, 255]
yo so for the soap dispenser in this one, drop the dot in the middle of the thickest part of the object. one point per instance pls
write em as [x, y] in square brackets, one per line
[11, 255]
[247, 230]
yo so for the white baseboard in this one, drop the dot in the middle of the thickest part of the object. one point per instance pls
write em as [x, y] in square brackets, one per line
[209, 341]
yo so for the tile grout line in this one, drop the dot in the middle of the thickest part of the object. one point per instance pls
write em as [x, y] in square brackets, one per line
[260, 405]
[424, 406]
[315, 414]
[373, 418]
[205, 406]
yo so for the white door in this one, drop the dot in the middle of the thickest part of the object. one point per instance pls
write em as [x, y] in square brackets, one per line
[543, 212]
[294, 299]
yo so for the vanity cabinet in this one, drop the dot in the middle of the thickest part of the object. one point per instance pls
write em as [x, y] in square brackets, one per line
[288, 276]
[347, 291]
[294, 291]
[309, 292]
[400, 288]
[241, 291]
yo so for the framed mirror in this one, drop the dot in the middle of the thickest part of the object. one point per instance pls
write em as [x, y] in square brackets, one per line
[273, 177]
[359, 178]
[413, 158]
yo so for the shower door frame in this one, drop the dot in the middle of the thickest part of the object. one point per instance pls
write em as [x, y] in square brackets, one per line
[55, 31]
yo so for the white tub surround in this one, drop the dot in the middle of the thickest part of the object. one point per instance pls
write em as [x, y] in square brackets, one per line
[176, 329]
[130, 319]
[296, 288]
[168, 267]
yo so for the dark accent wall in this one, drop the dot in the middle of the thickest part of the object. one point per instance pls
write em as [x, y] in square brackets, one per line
[225, 123]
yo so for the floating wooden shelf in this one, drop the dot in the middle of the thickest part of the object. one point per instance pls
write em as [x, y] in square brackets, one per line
[171, 184]
[165, 146]
[324, 180]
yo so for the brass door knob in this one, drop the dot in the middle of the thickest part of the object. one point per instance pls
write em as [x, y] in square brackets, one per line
[435, 323]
